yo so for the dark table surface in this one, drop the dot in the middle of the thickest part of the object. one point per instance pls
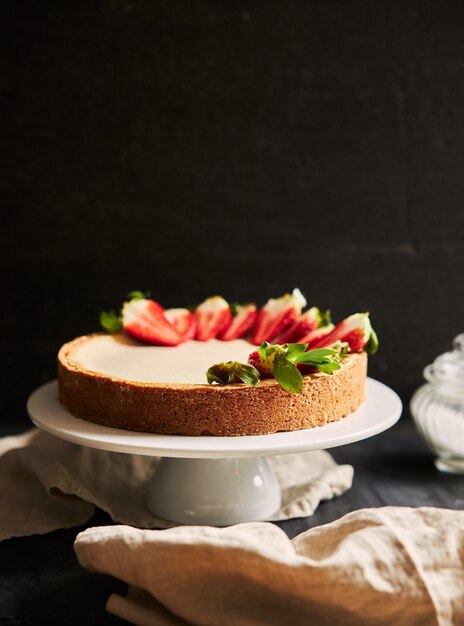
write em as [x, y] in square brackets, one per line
[41, 581]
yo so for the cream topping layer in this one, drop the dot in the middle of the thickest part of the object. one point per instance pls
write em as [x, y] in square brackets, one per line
[118, 356]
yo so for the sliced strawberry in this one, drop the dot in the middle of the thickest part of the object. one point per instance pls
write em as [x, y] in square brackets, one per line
[211, 317]
[183, 321]
[144, 319]
[242, 321]
[356, 331]
[277, 315]
[314, 336]
[308, 321]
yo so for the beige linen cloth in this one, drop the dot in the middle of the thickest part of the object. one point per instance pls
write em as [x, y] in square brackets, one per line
[47, 483]
[391, 566]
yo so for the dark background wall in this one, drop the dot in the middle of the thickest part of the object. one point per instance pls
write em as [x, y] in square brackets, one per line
[193, 148]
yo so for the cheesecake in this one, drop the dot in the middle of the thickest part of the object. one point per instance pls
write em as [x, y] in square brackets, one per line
[117, 381]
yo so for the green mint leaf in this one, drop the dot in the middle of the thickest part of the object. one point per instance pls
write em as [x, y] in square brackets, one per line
[372, 344]
[326, 360]
[262, 350]
[287, 374]
[319, 355]
[294, 350]
[110, 322]
[327, 368]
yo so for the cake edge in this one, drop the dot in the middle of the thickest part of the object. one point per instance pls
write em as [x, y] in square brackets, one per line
[218, 410]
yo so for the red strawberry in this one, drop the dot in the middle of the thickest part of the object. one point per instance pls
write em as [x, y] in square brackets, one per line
[277, 315]
[264, 366]
[356, 331]
[211, 317]
[283, 362]
[183, 321]
[314, 336]
[144, 319]
[242, 322]
[308, 321]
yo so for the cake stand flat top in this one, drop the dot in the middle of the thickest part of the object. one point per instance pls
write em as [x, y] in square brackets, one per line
[381, 409]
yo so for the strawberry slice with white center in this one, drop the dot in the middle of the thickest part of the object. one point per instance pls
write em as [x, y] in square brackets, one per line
[277, 315]
[314, 336]
[144, 319]
[309, 320]
[211, 317]
[356, 331]
[242, 321]
[183, 321]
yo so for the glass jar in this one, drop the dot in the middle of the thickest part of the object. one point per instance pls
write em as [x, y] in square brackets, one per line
[438, 408]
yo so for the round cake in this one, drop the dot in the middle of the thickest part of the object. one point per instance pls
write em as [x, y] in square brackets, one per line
[114, 380]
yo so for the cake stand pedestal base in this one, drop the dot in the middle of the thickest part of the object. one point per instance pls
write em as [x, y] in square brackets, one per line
[215, 480]
[217, 492]
[451, 465]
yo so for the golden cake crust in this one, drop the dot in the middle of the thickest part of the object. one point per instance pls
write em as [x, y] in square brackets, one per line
[221, 410]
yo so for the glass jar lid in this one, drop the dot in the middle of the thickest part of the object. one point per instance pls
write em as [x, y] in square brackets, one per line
[449, 367]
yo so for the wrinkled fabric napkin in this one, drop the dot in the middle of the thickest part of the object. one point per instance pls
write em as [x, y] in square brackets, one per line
[47, 483]
[383, 567]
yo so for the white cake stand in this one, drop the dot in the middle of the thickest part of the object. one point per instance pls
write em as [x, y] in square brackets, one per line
[215, 480]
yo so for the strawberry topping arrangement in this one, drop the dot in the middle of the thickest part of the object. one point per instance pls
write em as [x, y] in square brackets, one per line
[183, 321]
[314, 336]
[355, 330]
[277, 315]
[292, 341]
[212, 317]
[243, 320]
[306, 323]
[145, 320]
[284, 362]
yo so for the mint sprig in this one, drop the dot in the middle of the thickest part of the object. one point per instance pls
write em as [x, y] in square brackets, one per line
[295, 351]
[286, 358]
[231, 372]
[287, 374]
